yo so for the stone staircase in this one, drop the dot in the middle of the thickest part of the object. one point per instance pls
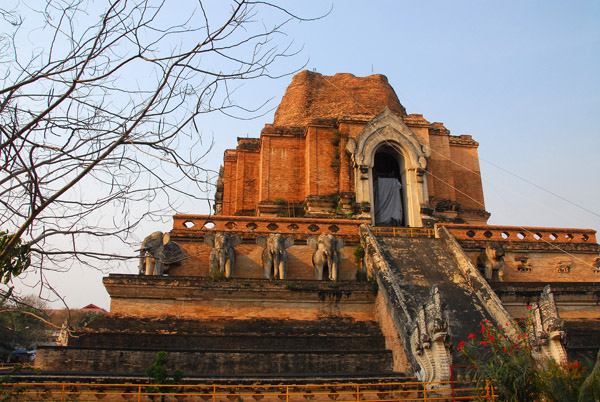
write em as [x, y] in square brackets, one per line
[434, 297]
[418, 264]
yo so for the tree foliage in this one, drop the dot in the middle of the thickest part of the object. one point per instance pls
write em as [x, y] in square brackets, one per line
[22, 323]
[102, 106]
[15, 261]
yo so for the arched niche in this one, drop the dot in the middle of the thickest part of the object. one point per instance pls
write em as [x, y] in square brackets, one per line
[387, 132]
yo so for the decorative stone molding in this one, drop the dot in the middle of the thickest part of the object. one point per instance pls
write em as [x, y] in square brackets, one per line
[523, 264]
[547, 331]
[429, 340]
[491, 261]
[520, 234]
[250, 227]
[563, 265]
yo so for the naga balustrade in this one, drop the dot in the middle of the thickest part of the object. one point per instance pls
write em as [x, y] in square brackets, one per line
[252, 226]
[520, 234]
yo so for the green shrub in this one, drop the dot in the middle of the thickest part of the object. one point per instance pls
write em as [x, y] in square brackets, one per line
[518, 375]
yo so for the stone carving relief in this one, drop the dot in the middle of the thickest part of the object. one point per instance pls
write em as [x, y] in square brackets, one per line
[222, 255]
[429, 340]
[152, 254]
[547, 331]
[523, 264]
[596, 265]
[563, 265]
[326, 255]
[491, 261]
[274, 255]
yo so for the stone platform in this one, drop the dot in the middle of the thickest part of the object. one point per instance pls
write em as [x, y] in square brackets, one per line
[234, 327]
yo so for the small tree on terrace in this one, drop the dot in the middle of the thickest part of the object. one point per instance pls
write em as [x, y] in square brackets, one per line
[100, 113]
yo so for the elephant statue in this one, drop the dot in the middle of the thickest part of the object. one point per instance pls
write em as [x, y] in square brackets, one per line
[326, 255]
[152, 254]
[491, 261]
[222, 255]
[274, 256]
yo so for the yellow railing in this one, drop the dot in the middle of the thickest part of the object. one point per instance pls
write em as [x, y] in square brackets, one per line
[404, 232]
[11, 366]
[401, 391]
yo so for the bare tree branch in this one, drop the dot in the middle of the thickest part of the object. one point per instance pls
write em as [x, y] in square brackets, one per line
[100, 107]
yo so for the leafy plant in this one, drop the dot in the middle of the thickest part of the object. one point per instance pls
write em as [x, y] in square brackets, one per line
[158, 374]
[16, 260]
[359, 254]
[518, 374]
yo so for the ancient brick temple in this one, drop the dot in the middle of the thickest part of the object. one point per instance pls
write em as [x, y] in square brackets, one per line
[333, 138]
[349, 239]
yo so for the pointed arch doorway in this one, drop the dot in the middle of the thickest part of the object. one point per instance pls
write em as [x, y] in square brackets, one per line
[388, 194]
[388, 143]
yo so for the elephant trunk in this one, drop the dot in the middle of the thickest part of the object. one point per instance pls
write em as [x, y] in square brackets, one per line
[276, 261]
[222, 260]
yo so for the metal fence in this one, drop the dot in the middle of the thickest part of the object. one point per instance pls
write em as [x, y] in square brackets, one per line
[400, 391]
[403, 232]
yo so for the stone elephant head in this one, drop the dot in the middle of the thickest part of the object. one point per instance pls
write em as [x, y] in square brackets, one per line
[274, 256]
[222, 255]
[152, 253]
[491, 261]
[326, 257]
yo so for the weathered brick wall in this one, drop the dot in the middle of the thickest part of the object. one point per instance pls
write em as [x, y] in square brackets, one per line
[229, 175]
[124, 361]
[145, 296]
[314, 96]
[547, 266]
[281, 168]
[248, 262]
[440, 181]
[466, 173]
[246, 180]
[534, 254]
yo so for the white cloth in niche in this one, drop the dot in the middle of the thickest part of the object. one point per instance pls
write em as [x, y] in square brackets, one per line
[388, 203]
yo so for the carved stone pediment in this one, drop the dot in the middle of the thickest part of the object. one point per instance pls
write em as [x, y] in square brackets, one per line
[389, 128]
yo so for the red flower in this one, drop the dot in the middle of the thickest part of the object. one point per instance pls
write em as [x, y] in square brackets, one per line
[504, 350]
[528, 307]
[460, 346]
[471, 336]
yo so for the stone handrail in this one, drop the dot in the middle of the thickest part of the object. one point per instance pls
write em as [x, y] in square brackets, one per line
[252, 226]
[520, 234]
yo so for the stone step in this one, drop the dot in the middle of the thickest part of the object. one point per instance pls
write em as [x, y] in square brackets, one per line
[230, 326]
[218, 363]
[247, 342]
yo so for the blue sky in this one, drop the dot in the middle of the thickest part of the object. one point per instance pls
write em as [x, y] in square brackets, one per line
[521, 77]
